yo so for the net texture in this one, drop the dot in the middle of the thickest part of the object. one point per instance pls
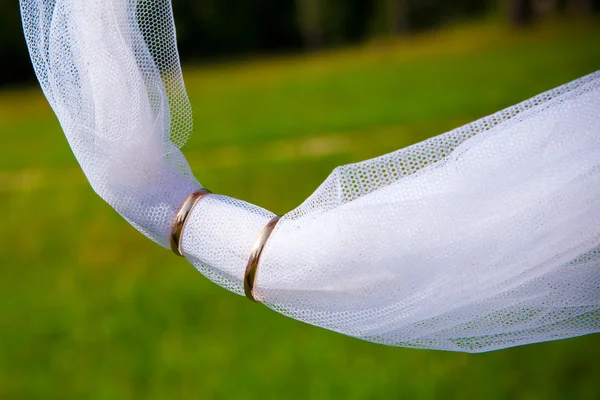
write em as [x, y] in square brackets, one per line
[482, 238]
[110, 70]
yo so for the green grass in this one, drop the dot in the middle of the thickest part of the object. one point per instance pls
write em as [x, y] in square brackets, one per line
[90, 308]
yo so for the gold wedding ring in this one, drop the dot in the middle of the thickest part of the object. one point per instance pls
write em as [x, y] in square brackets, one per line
[253, 262]
[257, 249]
[181, 218]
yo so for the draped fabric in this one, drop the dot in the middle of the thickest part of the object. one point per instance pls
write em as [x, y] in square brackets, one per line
[482, 238]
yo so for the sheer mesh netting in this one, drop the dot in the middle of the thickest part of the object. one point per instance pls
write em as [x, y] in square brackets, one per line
[110, 71]
[482, 238]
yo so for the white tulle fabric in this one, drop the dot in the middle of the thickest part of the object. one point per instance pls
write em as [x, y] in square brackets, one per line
[483, 238]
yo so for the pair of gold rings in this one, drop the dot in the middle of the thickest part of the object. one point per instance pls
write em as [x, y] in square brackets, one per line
[257, 249]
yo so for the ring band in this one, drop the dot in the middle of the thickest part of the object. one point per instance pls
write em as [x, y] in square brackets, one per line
[181, 218]
[252, 266]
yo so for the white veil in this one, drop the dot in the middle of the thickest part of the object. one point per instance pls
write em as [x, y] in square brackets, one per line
[482, 238]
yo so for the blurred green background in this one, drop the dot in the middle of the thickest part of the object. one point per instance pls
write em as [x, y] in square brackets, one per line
[89, 308]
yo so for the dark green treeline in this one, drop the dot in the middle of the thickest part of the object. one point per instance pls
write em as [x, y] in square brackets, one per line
[218, 29]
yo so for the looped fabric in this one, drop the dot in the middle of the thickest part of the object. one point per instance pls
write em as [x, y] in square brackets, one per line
[482, 238]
